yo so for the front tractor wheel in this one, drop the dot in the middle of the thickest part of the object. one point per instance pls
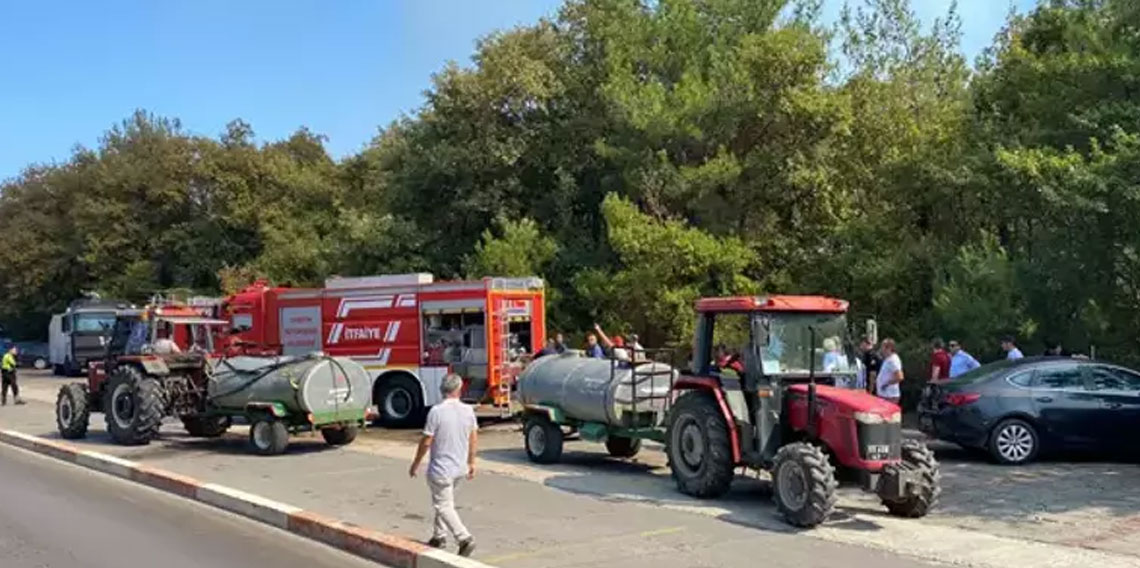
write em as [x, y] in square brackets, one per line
[698, 446]
[71, 412]
[918, 458]
[803, 485]
[133, 406]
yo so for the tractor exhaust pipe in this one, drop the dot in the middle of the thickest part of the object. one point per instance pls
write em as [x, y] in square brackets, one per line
[811, 421]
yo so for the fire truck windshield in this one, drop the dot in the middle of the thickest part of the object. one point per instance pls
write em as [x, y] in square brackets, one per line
[788, 350]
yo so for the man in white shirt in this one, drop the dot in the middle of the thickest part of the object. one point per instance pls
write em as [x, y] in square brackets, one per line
[451, 434]
[890, 373]
[163, 345]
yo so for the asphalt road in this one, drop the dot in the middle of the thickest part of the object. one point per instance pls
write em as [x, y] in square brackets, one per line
[54, 515]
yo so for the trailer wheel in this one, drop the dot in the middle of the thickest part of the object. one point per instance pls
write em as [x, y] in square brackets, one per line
[269, 437]
[206, 426]
[917, 457]
[71, 413]
[622, 447]
[339, 436]
[698, 447]
[543, 440]
[133, 406]
[803, 484]
[400, 402]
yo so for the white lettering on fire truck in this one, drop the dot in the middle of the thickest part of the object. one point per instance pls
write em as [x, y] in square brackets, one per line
[341, 331]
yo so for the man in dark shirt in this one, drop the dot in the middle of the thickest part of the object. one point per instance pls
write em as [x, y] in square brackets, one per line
[871, 363]
[939, 361]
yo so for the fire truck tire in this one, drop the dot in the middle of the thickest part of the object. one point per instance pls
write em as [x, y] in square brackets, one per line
[339, 436]
[803, 485]
[133, 406]
[269, 437]
[622, 447]
[400, 402]
[71, 413]
[917, 457]
[698, 447]
[543, 440]
[206, 426]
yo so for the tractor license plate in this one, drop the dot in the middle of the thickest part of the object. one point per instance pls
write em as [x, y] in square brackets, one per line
[876, 452]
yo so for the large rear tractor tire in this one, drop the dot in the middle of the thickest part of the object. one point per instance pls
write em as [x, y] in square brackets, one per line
[71, 413]
[917, 457]
[339, 436]
[133, 406]
[803, 485]
[543, 440]
[400, 402]
[206, 426]
[698, 447]
[622, 447]
[269, 437]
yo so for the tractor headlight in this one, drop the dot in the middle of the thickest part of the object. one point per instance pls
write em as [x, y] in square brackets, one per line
[874, 418]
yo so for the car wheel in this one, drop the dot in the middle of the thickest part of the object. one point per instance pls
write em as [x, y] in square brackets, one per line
[1014, 442]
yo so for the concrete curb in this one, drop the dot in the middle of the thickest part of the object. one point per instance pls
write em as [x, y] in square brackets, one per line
[388, 550]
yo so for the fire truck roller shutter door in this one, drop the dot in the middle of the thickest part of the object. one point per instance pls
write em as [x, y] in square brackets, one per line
[399, 397]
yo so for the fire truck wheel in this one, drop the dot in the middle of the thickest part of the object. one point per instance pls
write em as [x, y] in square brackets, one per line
[206, 426]
[400, 402]
[543, 440]
[803, 484]
[133, 406]
[698, 447]
[339, 436]
[917, 457]
[71, 412]
[268, 437]
[622, 447]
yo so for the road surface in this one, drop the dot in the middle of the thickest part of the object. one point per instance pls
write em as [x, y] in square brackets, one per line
[62, 516]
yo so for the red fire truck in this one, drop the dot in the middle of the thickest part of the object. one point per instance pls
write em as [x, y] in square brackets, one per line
[408, 330]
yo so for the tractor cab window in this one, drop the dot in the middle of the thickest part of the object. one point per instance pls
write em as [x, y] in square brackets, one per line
[730, 341]
[791, 349]
[138, 338]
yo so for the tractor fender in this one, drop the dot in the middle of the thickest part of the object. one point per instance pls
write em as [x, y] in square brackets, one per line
[711, 384]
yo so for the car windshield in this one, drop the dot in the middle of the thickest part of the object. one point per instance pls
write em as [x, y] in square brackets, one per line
[94, 323]
[789, 349]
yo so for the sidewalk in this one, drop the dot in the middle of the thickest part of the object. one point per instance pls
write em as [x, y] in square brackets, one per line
[592, 511]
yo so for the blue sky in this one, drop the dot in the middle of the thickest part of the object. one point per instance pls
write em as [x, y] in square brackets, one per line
[69, 70]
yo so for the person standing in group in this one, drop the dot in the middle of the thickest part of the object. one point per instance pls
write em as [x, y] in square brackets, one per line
[8, 376]
[551, 348]
[939, 361]
[890, 374]
[451, 435]
[960, 361]
[559, 343]
[593, 349]
[871, 363]
[1010, 347]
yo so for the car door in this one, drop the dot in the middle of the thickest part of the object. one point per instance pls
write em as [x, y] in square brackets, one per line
[1118, 391]
[1066, 409]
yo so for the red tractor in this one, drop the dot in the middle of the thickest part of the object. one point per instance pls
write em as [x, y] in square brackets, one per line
[772, 397]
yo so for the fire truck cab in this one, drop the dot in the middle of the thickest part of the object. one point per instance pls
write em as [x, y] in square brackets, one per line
[407, 330]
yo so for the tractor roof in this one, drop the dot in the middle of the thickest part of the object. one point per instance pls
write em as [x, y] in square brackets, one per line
[775, 303]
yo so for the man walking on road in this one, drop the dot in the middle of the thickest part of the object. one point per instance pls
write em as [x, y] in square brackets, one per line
[960, 361]
[451, 434]
[8, 377]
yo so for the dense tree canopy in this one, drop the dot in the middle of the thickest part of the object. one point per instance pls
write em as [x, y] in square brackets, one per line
[638, 155]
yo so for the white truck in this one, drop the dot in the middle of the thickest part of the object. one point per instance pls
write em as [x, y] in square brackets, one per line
[79, 334]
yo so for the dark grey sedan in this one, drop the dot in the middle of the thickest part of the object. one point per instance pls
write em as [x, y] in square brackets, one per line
[1015, 409]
